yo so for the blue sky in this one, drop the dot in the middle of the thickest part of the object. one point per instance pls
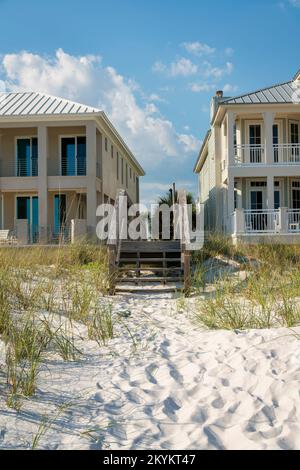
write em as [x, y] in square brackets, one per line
[151, 65]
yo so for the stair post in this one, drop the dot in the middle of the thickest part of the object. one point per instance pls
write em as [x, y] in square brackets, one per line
[112, 268]
[187, 272]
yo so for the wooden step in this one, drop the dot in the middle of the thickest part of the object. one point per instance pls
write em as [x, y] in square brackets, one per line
[160, 269]
[150, 247]
[150, 260]
[161, 289]
[157, 279]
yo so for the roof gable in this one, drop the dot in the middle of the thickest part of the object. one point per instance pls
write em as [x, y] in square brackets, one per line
[33, 103]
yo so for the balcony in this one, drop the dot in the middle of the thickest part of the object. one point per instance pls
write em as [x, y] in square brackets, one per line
[287, 154]
[20, 168]
[283, 154]
[266, 222]
[249, 154]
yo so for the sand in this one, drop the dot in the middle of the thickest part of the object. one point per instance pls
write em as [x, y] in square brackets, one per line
[177, 386]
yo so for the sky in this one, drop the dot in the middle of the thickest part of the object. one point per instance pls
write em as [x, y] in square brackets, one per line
[151, 65]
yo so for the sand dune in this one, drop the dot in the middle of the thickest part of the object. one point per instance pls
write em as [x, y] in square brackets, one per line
[181, 387]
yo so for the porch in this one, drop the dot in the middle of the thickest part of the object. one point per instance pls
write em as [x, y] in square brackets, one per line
[265, 208]
[20, 214]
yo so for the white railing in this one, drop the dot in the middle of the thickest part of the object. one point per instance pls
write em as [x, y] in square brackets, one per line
[287, 153]
[249, 154]
[20, 168]
[294, 220]
[264, 221]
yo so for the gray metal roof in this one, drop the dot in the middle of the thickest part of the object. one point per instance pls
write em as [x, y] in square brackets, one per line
[32, 103]
[281, 93]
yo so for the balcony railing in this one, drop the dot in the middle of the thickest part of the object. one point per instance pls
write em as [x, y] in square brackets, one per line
[74, 168]
[280, 221]
[21, 168]
[294, 220]
[287, 153]
[265, 221]
[255, 154]
[249, 154]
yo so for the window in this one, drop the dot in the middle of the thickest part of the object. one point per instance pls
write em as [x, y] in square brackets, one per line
[117, 165]
[255, 134]
[122, 170]
[27, 157]
[112, 151]
[130, 173]
[276, 200]
[258, 184]
[294, 133]
[105, 144]
[73, 156]
[275, 142]
[126, 175]
[255, 141]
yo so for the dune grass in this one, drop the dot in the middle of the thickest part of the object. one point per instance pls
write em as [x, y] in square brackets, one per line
[43, 291]
[268, 296]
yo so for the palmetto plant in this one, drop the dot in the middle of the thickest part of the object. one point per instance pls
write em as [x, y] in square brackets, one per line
[167, 200]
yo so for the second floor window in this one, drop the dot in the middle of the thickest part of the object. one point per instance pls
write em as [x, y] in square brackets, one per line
[117, 165]
[27, 157]
[112, 151]
[73, 156]
[105, 144]
[294, 133]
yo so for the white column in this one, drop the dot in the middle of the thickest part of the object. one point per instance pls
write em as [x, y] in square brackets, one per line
[268, 141]
[240, 221]
[270, 193]
[91, 154]
[283, 220]
[230, 137]
[230, 202]
[43, 182]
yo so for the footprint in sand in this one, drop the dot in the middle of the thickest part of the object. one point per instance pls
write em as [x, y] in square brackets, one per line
[218, 403]
[149, 373]
[170, 408]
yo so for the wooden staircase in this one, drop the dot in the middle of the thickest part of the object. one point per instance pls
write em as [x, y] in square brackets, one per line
[142, 264]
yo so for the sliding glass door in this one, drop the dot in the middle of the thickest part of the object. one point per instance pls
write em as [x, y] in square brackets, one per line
[27, 157]
[60, 211]
[27, 208]
[73, 156]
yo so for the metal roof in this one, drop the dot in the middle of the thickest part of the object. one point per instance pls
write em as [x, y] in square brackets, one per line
[281, 93]
[32, 103]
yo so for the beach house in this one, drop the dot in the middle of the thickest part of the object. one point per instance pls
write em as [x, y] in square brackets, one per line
[249, 165]
[58, 161]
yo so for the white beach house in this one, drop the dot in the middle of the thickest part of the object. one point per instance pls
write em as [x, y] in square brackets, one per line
[249, 165]
[58, 161]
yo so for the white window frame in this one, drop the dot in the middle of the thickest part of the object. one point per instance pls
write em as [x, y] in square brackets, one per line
[23, 137]
[69, 136]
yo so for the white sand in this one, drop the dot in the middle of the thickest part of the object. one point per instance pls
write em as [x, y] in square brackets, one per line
[181, 388]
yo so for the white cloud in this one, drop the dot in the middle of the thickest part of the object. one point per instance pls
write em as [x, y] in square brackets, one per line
[210, 71]
[198, 48]
[230, 88]
[151, 136]
[295, 3]
[181, 67]
[201, 87]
